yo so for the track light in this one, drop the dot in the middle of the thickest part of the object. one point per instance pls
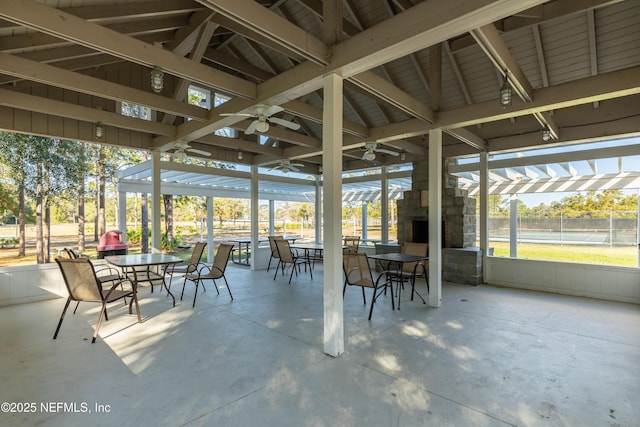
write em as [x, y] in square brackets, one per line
[157, 79]
[240, 155]
[546, 134]
[403, 156]
[99, 130]
[505, 91]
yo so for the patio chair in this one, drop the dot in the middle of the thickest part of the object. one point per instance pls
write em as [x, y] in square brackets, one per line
[83, 285]
[351, 243]
[287, 256]
[104, 272]
[187, 267]
[216, 271]
[357, 272]
[412, 270]
[274, 249]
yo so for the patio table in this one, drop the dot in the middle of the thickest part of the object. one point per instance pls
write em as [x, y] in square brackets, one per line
[399, 259]
[144, 260]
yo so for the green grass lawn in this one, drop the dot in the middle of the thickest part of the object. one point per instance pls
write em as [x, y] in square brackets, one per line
[625, 256]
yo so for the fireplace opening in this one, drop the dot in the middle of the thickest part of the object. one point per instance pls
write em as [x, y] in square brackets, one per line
[419, 232]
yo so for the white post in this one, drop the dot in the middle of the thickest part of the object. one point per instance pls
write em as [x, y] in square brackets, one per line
[272, 213]
[156, 226]
[318, 220]
[384, 200]
[513, 226]
[209, 230]
[122, 213]
[484, 212]
[435, 218]
[254, 217]
[365, 221]
[332, 208]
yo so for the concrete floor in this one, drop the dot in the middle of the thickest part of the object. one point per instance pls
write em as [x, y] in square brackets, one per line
[487, 357]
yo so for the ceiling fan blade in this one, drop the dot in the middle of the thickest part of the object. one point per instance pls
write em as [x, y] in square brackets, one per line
[385, 151]
[299, 165]
[285, 123]
[293, 168]
[273, 109]
[166, 147]
[201, 152]
[237, 114]
[252, 128]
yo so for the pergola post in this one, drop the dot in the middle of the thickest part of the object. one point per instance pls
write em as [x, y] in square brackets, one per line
[513, 226]
[272, 217]
[122, 212]
[254, 216]
[318, 210]
[332, 209]
[484, 212]
[384, 205]
[156, 226]
[209, 229]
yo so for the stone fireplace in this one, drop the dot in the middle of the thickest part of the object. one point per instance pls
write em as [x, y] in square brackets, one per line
[462, 261]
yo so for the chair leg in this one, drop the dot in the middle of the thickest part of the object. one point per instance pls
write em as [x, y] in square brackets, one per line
[195, 295]
[66, 305]
[77, 304]
[277, 268]
[228, 288]
[269, 265]
[293, 268]
[95, 333]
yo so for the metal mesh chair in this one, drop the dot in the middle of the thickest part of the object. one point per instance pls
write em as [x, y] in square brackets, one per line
[351, 243]
[216, 271]
[187, 267]
[287, 256]
[274, 249]
[83, 285]
[357, 272]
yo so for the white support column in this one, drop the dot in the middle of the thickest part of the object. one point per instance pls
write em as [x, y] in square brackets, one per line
[210, 230]
[384, 205]
[122, 212]
[513, 226]
[365, 220]
[638, 232]
[254, 216]
[484, 212]
[318, 219]
[156, 225]
[272, 217]
[435, 218]
[332, 209]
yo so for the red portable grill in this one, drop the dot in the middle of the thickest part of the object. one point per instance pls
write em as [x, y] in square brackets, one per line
[111, 244]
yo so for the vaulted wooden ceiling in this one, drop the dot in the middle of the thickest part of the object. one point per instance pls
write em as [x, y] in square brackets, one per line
[410, 66]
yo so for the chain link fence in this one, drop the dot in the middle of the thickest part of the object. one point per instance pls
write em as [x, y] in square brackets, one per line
[593, 228]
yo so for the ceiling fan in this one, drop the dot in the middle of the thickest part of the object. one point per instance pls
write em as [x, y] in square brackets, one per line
[181, 150]
[286, 166]
[262, 114]
[371, 148]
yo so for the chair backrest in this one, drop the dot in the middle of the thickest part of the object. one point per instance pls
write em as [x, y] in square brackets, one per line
[196, 255]
[409, 248]
[356, 269]
[222, 256]
[71, 253]
[284, 250]
[352, 243]
[80, 279]
[272, 245]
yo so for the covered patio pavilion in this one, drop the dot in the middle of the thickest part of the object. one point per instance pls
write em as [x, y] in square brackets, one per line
[347, 84]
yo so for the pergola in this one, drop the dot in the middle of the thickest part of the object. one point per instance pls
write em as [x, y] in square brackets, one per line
[209, 182]
[359, 83]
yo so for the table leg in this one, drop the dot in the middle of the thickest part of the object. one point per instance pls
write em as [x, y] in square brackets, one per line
[134, 286]
[168, 291]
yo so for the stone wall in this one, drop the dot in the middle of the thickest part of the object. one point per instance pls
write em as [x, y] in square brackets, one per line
[460, 265]
[458, 209]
